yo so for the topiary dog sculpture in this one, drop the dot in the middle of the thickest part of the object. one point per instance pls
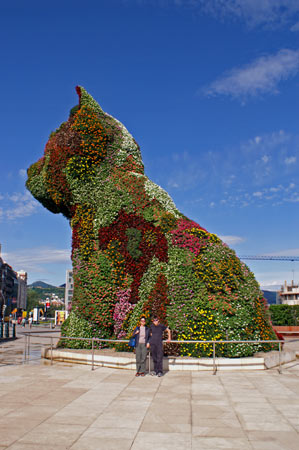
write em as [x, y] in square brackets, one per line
[133, 252]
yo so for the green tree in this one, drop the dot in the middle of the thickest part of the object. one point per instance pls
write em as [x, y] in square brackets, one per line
[284, 314]
[33, 300]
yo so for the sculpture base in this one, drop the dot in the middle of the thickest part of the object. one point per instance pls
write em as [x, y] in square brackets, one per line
[124, 360]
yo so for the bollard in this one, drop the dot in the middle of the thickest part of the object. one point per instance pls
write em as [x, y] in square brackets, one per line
[14, 330]
[7, 330]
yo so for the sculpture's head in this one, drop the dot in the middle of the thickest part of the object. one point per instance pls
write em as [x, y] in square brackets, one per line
[80, 156]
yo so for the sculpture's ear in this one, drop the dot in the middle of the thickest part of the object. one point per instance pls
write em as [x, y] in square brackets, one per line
[85, 99]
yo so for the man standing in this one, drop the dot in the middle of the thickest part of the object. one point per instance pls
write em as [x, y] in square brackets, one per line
[156, 344]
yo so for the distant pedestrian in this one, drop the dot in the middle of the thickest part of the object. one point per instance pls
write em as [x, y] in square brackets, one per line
[156, 344]
[30, 320]
[23, 322]
[141, 335]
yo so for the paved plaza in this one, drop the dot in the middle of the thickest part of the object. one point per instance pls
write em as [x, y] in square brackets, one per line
[68, 406]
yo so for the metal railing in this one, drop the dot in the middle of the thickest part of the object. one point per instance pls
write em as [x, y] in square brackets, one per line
[94, 340]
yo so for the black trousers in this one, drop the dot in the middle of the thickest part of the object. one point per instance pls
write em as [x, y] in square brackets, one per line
[157, 354]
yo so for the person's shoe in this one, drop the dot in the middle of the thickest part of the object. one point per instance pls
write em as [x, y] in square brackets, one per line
[137, 374]
[153, 374]
[160, 374]
[142, 374]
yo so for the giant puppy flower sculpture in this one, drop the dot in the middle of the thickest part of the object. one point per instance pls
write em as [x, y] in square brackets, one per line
[133, 252]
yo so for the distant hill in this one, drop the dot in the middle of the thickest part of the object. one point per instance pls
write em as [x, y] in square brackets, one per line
[45, 290]
[41, 284]
[62, 285]
[270, 296]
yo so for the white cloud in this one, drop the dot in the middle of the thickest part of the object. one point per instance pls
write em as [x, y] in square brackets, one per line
[263, 13]
[185, 173]
[295, 27]
[254, 173]
[265, 159]
[232, 240]
[254, 12]
[17, 205]
[23, 173]
[292, 199]
[32, 259]
[259, 77]
[290, 160]
[287, 252]
[275, 189]
[270, 285]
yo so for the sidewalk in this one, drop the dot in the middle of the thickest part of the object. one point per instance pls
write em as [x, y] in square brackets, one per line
[12, 351]
[62, 406]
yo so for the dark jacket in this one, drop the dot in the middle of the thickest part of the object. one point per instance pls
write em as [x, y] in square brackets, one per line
[136, 336]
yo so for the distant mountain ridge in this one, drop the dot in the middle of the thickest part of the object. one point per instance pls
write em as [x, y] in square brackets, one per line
[270, 296]
[45, 290]
[42, 285]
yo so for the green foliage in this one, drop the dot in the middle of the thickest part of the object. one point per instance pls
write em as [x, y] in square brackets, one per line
[87, 100]
[283, 315]
[33, 300]
[134, 238]
[74, 110]
[201, 325]
[75, 326]
[43, 293]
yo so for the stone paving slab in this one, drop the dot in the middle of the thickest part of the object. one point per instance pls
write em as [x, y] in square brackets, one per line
[67, 406]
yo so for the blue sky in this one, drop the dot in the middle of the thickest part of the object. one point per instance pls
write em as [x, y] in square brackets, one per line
[208, 88]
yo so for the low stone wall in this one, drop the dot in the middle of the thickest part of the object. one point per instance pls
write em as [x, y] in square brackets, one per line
[124, 360]
[271, 359]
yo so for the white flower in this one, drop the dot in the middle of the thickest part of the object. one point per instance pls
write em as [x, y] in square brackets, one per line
[155, 191]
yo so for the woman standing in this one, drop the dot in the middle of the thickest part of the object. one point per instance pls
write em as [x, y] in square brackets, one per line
[141, 335]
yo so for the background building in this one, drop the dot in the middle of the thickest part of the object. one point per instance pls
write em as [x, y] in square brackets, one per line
[13, 290]
[69, 289]
[22, 290]
[289, 294]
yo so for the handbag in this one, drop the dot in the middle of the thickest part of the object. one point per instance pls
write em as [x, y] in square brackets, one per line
[132, 342]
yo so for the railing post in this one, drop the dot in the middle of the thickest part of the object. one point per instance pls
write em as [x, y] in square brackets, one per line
[28, 347]
[214, 358]
[92, 354]
[25, 348]
[51, 351]
[279, 363]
